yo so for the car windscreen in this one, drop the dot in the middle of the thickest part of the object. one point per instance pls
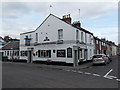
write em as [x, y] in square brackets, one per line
[97, 56]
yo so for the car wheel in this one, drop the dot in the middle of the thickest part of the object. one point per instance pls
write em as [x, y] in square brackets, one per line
[105, 63]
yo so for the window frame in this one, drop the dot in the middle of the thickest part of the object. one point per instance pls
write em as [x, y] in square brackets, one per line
[60, 34]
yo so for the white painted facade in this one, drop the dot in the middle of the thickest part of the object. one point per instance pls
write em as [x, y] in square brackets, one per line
[49, 28]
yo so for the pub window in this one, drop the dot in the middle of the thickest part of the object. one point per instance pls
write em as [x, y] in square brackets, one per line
[44, 53]
[7, 53]
[53, 51]
[25, 53]
[10, 53]
[39, 53]
[17, 53]
[36, 53]
[69, 52]
[60, 34]
[61, 53]
[13, 53]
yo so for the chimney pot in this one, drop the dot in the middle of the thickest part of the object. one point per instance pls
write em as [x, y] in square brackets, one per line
[67, 18]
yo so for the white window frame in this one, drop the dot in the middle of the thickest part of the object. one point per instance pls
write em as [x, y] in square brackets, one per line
[60, 34]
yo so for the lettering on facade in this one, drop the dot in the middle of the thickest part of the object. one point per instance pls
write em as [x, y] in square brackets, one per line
[61, 53]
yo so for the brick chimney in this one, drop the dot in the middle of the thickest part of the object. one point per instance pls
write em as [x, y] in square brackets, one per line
[77, 24]
[103, 39]
[67, 18]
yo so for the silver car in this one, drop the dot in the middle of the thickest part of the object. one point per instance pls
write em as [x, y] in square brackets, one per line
[100, 59]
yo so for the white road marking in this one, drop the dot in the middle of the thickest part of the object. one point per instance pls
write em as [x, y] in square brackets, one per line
[87, 73]
[108, 73]
[108, 78]
[96, 75]
[67, 70]
[111, 76]
[118, 79]
[80, 72]
[73, 71]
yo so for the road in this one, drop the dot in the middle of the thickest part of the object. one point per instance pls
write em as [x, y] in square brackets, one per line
[21, 76]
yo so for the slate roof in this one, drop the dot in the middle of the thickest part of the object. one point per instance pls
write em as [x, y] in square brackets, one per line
[14, 45]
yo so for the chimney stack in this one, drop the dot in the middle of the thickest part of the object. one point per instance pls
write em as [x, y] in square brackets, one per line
[77, 24]
[67, 18]
[103, 39]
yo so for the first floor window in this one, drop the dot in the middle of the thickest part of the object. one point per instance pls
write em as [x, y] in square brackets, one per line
[77, 35]
[60, 34]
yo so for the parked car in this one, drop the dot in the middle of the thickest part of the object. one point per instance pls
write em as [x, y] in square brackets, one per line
[100, 59]
[109, 57]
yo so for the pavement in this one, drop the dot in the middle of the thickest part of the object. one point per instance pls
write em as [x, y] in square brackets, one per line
[82, 65]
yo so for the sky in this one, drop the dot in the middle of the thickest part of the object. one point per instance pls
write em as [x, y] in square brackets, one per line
[100, 18]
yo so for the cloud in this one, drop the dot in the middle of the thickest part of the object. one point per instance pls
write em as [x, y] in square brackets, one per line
[20, 17]
[88, 9]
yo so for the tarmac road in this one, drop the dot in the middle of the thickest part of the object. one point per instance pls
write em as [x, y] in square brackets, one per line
[22, 76]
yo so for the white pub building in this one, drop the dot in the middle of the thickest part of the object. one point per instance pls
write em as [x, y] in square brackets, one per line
[57, 40]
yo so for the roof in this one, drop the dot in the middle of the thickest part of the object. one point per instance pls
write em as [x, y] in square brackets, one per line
[61, 20]
[11, 45]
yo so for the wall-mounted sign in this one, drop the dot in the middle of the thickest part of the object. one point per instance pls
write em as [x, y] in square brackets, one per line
[69, 52]
[61, 53]
[27, 41]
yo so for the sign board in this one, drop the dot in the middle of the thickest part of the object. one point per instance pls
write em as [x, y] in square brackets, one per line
[61, 53]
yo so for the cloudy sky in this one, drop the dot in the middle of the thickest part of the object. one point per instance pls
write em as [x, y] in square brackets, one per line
[101, 18]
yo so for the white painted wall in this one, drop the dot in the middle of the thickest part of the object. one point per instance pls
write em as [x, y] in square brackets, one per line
[50, 29]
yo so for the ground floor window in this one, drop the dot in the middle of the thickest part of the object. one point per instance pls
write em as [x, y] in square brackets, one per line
[7, 53]
[69, 52]
[81, 53]
[44, 53]
[61, 53]
[16, 53]
[23, 53]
